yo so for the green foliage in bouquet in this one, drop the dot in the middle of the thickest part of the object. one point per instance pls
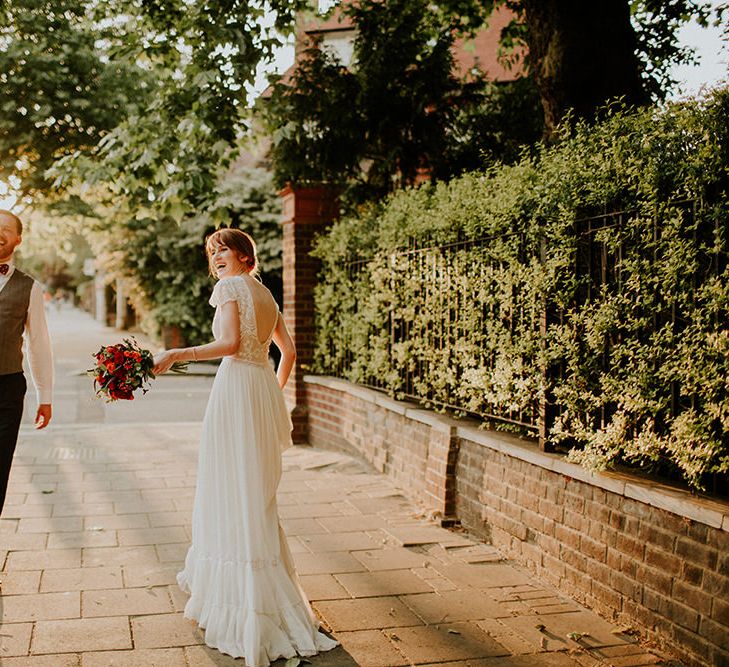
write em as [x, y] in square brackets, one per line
[639, 364]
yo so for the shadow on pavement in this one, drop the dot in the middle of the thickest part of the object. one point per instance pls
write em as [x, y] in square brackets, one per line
[337, 657]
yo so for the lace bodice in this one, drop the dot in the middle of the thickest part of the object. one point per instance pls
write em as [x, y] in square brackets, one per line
[236, 289]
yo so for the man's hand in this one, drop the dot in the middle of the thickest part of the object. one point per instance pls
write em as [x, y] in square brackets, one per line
[43, 416]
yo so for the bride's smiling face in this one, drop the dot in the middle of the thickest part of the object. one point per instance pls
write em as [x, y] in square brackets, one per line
[225, 261]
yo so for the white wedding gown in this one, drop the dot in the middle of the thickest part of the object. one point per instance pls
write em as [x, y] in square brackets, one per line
[243, 588]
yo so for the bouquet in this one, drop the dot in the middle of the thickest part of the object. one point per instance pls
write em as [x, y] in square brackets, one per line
[123, 368]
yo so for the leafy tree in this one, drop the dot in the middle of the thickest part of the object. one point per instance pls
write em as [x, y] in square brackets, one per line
[581, 55]
[61, 91]
[637, 348]
[169, 154]
[398, 113]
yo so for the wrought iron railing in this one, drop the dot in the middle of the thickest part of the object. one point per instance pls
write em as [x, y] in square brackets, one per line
[448, 304]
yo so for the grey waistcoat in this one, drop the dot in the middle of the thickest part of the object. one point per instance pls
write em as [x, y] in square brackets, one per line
[14, 301]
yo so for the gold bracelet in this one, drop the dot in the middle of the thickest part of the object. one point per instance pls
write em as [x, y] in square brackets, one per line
[194, 353]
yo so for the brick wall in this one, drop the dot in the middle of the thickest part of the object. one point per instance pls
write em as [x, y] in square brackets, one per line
[639, 553]
[415, 448]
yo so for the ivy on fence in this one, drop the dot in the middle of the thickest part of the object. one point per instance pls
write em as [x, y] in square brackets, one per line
[591, 278]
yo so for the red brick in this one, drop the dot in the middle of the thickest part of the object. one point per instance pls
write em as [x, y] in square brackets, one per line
[613, 559]
[574, 520]
[719, 656]
[654, 601]
[553, 566]
[659, 538]
[598, 571]
[567, 536]
[551, 510]
[668, 521]
[719, 540]
[698, 531]
[597, 512]
[617, 520]
[635, 611]
[549, 545]
[632, 527]
[610, 598]
[716, 633]
[532, 520]
[573, 486]
[696, 553]
[722, 565]
[593, 549]
[600, 532]
[693, 642]
[574, 503]
[573, 558]
[655, 579]
[535, 487]
[515, 528]
[629, 566]
[579, 580]
[554, 494]
[667, 562]
[720, 611]
[716, 584]
[691, 574]
[625, 585]
[692, 596]
[630, 547]
[683, 615]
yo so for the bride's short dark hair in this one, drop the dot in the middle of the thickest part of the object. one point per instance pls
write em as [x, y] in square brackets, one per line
[238, 241]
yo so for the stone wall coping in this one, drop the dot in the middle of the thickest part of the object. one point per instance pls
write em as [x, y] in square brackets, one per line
[711, 512]
[432, 419]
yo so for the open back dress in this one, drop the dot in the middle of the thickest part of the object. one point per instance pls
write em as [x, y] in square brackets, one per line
[239, 573]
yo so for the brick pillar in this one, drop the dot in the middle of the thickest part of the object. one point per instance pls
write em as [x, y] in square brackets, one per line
[306, 213]
[440, 471]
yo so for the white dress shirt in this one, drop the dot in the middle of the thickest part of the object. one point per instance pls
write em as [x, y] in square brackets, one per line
[37, 340]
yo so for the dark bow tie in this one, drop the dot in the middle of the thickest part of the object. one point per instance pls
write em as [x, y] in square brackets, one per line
[4, 268]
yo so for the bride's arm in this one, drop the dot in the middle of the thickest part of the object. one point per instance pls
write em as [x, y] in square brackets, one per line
[228, 343]
[288, 351]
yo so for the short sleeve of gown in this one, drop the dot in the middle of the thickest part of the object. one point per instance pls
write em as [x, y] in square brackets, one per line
[225, 290]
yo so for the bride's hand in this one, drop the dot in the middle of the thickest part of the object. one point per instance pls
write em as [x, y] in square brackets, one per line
[162, 362]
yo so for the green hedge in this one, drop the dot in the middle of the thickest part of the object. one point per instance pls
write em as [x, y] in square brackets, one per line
[640, 370]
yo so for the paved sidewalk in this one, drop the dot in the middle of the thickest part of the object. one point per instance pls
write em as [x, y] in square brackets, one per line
[98, 522]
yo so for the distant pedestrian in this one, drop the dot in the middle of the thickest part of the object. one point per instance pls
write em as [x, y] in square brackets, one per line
[239, 571]
[22, 315]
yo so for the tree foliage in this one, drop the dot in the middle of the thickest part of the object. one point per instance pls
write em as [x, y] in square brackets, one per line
[204, 54]
[126, 117]
[399, 113]
[393, 114]
[639, 360]
[61, 94]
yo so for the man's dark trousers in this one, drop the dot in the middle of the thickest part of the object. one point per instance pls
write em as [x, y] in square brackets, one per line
[12, 395]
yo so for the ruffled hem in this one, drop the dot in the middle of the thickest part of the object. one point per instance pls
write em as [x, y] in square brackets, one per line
[249, 611]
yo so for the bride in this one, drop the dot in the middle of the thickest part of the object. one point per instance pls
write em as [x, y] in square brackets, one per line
[239, 573]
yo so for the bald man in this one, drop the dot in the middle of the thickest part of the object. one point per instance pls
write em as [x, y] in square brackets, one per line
[22, 315]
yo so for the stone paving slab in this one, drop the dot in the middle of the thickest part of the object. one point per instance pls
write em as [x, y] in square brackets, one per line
[97, 524]
[378, 580]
